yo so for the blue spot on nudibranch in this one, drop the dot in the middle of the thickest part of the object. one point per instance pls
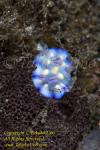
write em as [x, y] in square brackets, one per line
[52, 77]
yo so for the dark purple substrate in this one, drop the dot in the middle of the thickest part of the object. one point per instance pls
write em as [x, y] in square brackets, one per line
[20, 103]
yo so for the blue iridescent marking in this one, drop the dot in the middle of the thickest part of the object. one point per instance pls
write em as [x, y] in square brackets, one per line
[52, 76]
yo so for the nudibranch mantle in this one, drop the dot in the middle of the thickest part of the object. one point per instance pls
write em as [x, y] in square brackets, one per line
[52, 76]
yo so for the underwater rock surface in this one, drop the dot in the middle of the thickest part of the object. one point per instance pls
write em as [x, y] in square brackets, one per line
[91, 141]
[21, 104]
[71, 25]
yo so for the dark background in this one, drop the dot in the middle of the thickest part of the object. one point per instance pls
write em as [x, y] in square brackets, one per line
[73, 25]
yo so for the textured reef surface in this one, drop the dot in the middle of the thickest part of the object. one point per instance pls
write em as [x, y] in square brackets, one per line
[52, 76]
[67, 24]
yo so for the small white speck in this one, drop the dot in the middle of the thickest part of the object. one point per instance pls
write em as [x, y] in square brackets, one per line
[6, 100]
[45, 72]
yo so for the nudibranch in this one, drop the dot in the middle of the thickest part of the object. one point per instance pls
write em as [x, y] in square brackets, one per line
[52, 76]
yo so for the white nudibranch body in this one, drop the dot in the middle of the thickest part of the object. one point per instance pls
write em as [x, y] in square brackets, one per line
[52, 76]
